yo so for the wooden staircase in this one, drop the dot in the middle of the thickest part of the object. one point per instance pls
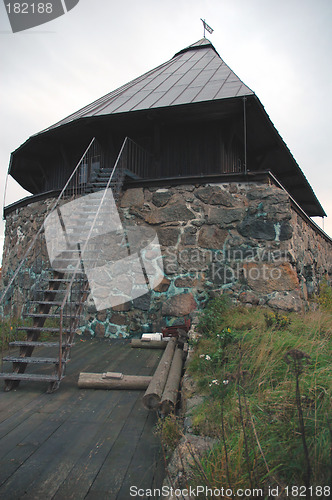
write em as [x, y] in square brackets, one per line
[60, 298]
[47, 308]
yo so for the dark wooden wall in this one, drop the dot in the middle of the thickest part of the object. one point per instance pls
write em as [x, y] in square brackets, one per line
[199, 149]
[175, 150]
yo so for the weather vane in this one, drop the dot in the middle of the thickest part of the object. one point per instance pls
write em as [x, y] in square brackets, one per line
[206, 27]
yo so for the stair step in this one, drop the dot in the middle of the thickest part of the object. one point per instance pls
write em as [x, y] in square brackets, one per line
[62, 280]
[73, 265]
[30, 377]
[27, 343]
[92, 212]
[40, 315]
[99, 179]
[73, 250]
[55, 303]
[31, 359]
[68, 270]
[94, 200]
[68, 259]
[41, 329]
[67, 281]
[62, 290]
[92, 203]
[85, 219]
[64, 261]
[99, 176]
[87, 223]
[88, 211]
[99, 186]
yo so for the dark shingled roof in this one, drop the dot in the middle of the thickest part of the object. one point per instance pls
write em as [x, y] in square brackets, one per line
[195, 74]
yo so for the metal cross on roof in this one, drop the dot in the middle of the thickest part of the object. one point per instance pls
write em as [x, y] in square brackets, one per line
[206, 27]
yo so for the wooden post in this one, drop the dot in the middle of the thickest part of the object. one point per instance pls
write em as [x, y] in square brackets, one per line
[170, 394]
[152, 396]
[127, 382]
[148, 344]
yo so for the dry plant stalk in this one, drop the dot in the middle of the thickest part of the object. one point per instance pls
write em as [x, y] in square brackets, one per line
[296, 358]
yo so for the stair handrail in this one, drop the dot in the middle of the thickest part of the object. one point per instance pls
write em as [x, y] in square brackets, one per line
[32, 244]
[70, 284]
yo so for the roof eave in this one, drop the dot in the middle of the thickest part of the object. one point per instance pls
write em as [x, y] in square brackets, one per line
[321, 211]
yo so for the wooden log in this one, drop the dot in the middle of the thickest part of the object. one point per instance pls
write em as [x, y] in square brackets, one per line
[149, 344]
[152, 396]
[170, 394]
[127, 382]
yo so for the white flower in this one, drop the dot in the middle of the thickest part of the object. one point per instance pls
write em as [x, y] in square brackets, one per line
[208, 358]
[215, 381]
[202, 355]
[225, 382]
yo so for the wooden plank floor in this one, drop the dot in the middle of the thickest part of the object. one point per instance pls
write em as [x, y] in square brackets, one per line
[77, 443]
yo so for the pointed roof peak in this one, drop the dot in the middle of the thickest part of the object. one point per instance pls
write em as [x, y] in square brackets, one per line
[203, 43]
[196, 74]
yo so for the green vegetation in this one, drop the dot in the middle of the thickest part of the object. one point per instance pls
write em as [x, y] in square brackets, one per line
[9, 332]
[267, 382]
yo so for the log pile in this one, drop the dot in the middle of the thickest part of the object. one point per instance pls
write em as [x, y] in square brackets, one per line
[162, 392]
[170, 394]
[154, 392]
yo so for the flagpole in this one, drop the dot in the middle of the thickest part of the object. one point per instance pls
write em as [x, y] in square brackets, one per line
[203, 21]
[206, 27]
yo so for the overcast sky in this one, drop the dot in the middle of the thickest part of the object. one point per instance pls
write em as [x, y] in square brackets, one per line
[281, 49]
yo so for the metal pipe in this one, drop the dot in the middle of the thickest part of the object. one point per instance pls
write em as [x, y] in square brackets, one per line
[245, 134]
[60, 345]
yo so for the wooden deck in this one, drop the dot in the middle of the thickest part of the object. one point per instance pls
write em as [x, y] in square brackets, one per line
[79, 443]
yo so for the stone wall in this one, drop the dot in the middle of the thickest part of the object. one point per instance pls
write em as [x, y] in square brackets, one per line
[310, 253]
[21, 226]
[243, 239]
